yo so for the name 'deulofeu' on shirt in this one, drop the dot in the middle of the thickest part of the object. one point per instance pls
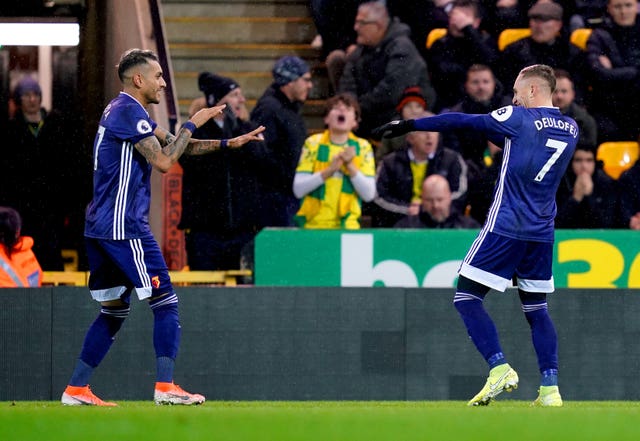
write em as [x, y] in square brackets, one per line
[557, 124]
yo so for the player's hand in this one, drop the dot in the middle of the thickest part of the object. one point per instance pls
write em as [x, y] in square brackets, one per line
[394, 128]
[254, 135]
[204, 115]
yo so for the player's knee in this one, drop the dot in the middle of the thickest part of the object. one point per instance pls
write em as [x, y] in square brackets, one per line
[114, 317]
[532, 297]
[164, 301]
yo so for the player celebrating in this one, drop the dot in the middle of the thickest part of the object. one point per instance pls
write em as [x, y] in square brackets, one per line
[123, 254]
[517, 237]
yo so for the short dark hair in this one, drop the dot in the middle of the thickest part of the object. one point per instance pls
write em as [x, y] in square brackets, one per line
[561, 73]
[472, 4]
[10, 225]
[347, 99]
[134, 57]
[480, 68]
[541, 71]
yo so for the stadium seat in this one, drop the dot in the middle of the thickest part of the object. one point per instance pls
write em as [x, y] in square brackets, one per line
[226, 277]
[617, 156]
[74, 278]
[435, 34]
[579, 37]
[512, 35]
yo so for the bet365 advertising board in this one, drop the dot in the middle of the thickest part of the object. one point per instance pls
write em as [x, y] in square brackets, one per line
[430, 258]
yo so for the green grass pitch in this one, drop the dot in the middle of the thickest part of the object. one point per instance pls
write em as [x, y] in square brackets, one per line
[311, 421]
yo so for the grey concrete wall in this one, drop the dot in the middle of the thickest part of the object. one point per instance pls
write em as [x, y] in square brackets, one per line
[319, 344]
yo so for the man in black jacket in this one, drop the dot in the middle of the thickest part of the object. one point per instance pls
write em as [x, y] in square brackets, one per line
[436, 210]
[220, 197]
[401, 174]
[279, 110]
[613, 56]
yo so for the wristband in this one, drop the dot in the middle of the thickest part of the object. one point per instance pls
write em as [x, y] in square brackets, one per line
[189, 126]
[224, 143]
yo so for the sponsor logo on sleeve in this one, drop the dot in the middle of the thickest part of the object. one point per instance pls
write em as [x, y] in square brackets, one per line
[143, 127]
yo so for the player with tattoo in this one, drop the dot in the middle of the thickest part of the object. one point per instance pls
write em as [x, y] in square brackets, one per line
[123, 254]
[517, 238]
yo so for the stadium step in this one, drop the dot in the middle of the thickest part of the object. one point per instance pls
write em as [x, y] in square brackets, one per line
[241, 39]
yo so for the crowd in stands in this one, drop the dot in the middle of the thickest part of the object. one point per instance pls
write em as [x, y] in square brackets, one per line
[379, 69]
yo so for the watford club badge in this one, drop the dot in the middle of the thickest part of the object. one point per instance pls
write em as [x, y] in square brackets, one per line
[155, 281]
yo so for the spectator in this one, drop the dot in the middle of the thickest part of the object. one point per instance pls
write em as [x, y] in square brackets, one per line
[586, 197]
[629, 186]
[401, 173]
[220, 198]
[40, 177]
[587, 14]
[336, 170]
[482, 187]
[279, 109]
[421, 16]
[334, 22]
[613, 56]
[382, 66]
[451, 56]
[483, 93]
[436, 210]
[504, 14]
[18, 265]
[548, 44]
[411, 105]
[564, 98]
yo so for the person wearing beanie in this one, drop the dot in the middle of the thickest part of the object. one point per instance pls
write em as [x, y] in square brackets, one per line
[412, 104]
[220, 198]
[40, 172]
[279, 110]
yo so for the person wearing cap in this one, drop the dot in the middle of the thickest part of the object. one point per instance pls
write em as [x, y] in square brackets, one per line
[279, 109]
[384, 63]
[412, 104]
[548, 44]
[40, 176]
[466, 43]
[613, 63]
[220, 200]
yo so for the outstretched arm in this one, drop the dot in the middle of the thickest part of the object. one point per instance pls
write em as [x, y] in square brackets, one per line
[164, 149]
[437, 123]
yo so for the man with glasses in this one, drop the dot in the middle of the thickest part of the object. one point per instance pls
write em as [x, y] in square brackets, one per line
[383, 64]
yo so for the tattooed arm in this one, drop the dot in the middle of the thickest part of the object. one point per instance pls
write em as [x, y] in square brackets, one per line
[164, 149]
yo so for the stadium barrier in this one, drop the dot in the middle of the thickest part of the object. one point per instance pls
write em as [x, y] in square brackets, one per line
[322, 343]
[179, 278]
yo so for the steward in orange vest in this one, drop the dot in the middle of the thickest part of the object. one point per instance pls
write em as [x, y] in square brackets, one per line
[18, 265]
